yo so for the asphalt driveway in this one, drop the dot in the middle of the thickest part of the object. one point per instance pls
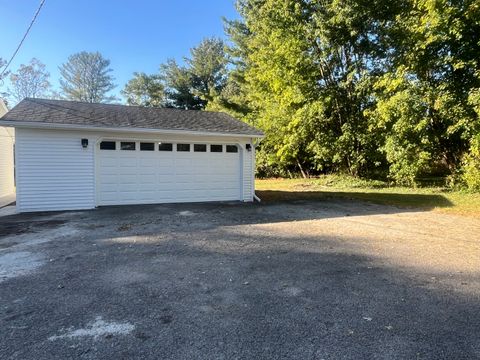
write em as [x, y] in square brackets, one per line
[306, 279]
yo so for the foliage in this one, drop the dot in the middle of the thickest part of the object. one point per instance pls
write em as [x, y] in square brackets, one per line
[368, 88]
[3, 63]
[201, 80]
[207, 66]
[178, 87]
[30, 81]
[144, 90]
[306, 74]
[471, 162]
[86, 77]
[192, 86]
[3, 94]
[472, 166]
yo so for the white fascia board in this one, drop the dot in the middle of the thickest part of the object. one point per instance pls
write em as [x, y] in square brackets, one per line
[36, 125]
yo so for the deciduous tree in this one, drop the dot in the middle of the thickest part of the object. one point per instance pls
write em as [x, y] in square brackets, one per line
[30, 80]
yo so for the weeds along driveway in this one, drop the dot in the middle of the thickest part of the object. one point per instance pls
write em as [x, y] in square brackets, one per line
[330, 279]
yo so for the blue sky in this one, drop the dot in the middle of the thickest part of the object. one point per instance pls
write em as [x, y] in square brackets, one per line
[135, 35]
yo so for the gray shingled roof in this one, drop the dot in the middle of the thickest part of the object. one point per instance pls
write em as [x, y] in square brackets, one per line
[64, 112]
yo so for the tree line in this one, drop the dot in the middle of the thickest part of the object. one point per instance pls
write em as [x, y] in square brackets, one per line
[372, 88]
[85, 76]
[376, 89]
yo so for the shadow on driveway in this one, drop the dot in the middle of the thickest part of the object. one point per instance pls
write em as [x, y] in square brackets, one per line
[232, 294]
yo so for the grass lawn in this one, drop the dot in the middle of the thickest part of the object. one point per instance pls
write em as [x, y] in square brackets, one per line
[432, 198]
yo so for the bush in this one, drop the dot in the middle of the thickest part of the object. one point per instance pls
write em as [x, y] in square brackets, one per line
[471, 166]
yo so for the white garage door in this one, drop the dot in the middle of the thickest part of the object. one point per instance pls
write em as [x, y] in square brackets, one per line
[133, 172]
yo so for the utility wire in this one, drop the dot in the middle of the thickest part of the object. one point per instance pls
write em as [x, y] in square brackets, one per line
[23, 39]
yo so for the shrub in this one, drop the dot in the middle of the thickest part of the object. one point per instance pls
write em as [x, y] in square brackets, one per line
[471, 166]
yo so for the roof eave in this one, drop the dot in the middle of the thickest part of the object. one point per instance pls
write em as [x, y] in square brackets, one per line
[40, 125]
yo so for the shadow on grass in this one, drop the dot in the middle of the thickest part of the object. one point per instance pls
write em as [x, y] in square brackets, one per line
[422, 201]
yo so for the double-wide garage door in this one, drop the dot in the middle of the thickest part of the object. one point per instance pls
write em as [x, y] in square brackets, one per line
[137, 172]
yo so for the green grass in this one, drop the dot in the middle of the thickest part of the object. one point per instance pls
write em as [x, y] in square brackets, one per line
[334, 186]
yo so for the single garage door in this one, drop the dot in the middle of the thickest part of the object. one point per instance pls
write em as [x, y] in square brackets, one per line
[134, 172]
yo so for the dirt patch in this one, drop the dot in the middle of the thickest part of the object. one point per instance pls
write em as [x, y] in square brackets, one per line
[18, 228]
[125, 227]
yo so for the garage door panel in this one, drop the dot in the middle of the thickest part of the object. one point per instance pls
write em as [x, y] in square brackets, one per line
[145, 163]
[147, 179]
[164, 194]
[125, 176]
[109, 178]
[165, 163]
[124, 187]
[107, 162]
[165, 179]
[185, 179]
[148, 187]
[136, 177]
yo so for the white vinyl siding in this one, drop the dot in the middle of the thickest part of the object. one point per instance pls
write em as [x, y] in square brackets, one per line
[54, 172]
[248, 168]
[7, 186]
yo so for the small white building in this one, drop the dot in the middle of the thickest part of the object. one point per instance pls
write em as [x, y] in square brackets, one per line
[7, 182]
[73, 155]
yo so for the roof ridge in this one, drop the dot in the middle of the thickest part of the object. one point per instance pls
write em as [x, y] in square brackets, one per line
[125, 105]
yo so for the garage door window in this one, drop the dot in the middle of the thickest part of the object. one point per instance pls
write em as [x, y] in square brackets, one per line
[107, 145]
[200, 148]
[216, 148]
[127, 145]
[232, 149]
[147, 146]
[183, 147]
[165, 147]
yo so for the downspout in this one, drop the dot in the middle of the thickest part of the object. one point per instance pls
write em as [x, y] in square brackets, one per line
[255, 143]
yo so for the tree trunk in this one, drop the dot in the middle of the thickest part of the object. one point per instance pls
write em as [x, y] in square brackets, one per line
[304, 175]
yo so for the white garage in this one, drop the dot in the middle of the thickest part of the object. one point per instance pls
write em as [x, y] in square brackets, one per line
[74, 155]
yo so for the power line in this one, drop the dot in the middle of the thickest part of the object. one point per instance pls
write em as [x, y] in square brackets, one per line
[23, 39]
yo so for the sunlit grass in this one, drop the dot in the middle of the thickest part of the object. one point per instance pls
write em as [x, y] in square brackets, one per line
[434, 198]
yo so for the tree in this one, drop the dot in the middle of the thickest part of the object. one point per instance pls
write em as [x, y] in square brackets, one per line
[201, 80]
[86, 77]
[307, 70]
[30, 81]
[3, 63]
[3, 94]
[423, 97]
[144, 90]
[208, 68]
[179, 87]
[371, 88]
